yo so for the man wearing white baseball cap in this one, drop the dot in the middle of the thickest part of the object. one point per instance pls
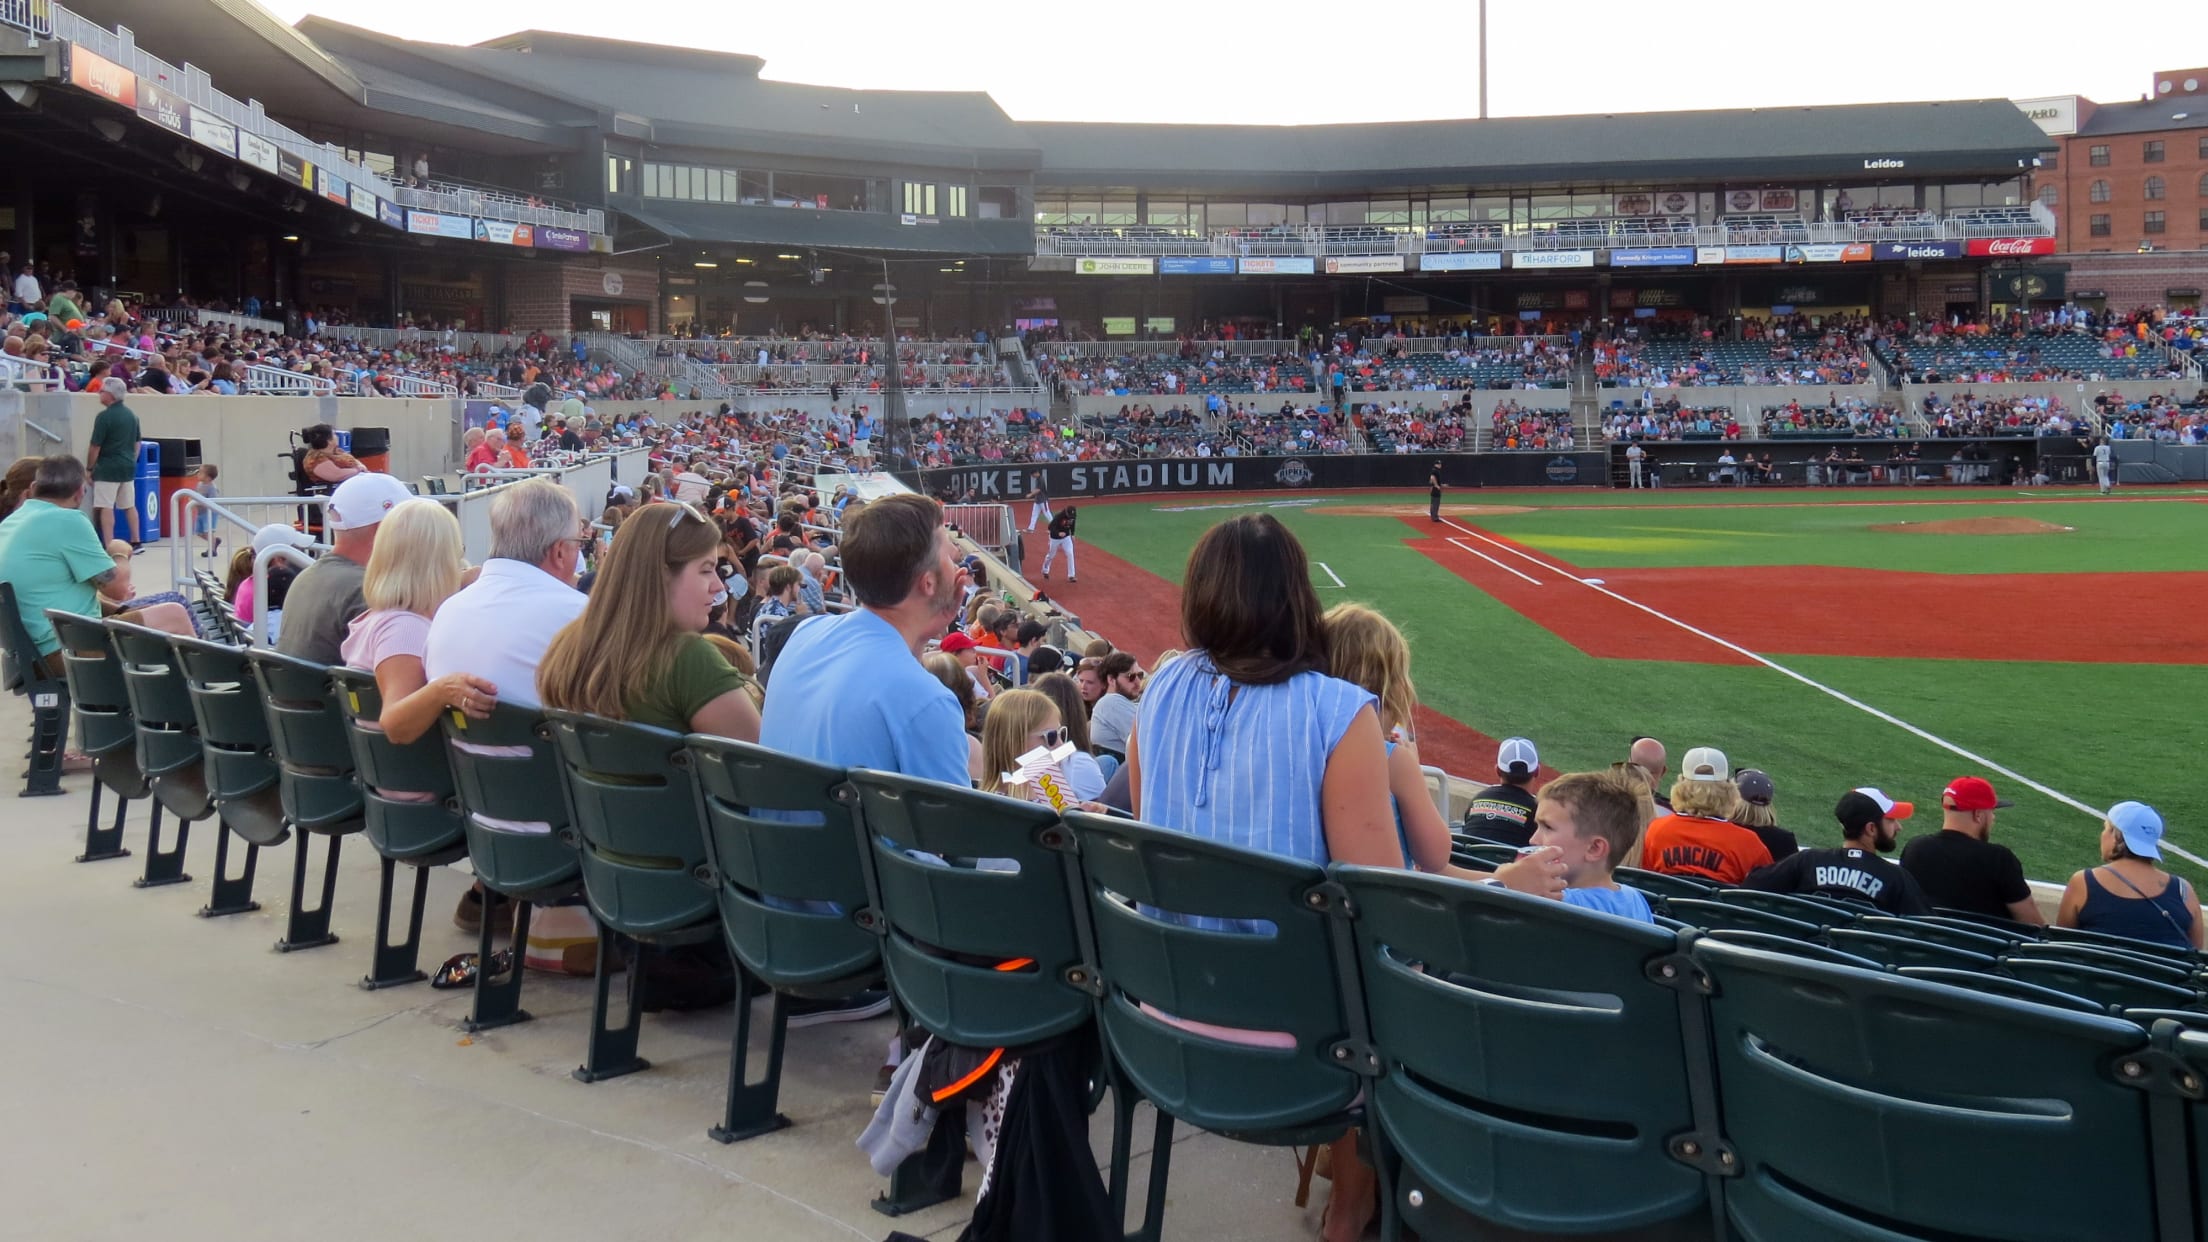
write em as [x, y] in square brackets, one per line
[2128, 895]
[1870, 822]
[1504, 812]
[327, 596]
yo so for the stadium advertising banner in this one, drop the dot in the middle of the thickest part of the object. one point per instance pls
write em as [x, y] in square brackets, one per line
[257, 151]
[548, 238]
[1468, 261]
[1918, 250]
[1856, 253]
[163, 107]
[432, 224]
[1112, 267]
[1752, 254]
[290, 168]
[103, 77]
[1709, 254]
[503, 233]
[214, 133]
[1552, 258]
[336, 189]
[1289, 265]
[1351, 264]
[1199, 266]
[1075, 480]
[1665, 256]
[388, 213]
[2007, 247]
[363, 201]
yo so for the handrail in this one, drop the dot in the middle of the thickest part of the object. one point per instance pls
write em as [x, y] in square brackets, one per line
[267, 379]
[134, 354]
[185, 501]
[29, 373]
[405, 386]
[44, 434]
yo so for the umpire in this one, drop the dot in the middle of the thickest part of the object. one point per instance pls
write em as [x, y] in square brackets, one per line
[1433, 493]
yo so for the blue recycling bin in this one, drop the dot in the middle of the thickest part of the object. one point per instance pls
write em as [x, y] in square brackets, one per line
[146, 494]
[344, 441]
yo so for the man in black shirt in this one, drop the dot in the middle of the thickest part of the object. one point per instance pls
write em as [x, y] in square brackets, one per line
[1505, 812]
[1061, 540]
[1869, 823]
[1959, 869]
[1433, 493]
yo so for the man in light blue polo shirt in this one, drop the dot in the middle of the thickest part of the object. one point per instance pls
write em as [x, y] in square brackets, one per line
[850, 690]
[54, 559]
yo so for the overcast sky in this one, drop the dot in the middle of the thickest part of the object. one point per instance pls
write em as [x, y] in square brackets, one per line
[1298, 61]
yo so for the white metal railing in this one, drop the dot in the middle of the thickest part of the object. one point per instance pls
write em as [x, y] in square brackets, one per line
[279, 382]
[127, 351]
[237, 323]
[493, 204]
[33, 17]
[403, 385]
[28, 374]
[236, 519]
[497, 392]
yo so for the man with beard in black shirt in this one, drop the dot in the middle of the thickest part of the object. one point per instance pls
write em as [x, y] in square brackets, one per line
[1869, 824]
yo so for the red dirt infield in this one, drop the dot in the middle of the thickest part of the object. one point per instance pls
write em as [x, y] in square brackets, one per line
[1141, 613]
[1826, 610]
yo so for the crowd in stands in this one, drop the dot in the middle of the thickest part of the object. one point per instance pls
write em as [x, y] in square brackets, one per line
[1850, 416]
[1516, 427]
[2028, 348]
[1395, 429]
[1971, 415]
[1668, 418]
[1790, 349]
[2166, 419]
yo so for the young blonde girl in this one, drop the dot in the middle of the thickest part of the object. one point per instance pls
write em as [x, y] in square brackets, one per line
[1365, 649]
[1018, 722]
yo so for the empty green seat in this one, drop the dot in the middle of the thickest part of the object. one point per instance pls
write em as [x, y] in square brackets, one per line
[1989, 922]
[102, 711]
[1663, 884]
[1711, 914]
[23, 672]
[233, 739]
[175, 767]
[2099, 984]
[783, 851]
[1891, 950]
[507, 777]
[2123, 961]
[1874, 1106]
[1793, 946]
[2106, 940]
[314, 759]
[633, 820]
[1469, 985]
[1493, 853]
[2002, 985]
[408, 815]
[1800, 908]
[1189, 931]
[1953, 937]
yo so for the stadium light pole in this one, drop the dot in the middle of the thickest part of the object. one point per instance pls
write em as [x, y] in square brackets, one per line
[893, 383]
[1483, 59]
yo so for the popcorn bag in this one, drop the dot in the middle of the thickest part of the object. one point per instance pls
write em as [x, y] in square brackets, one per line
[1042, 771]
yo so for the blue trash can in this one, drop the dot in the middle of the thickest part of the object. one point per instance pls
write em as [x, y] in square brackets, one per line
[146, 497]
[344, 441]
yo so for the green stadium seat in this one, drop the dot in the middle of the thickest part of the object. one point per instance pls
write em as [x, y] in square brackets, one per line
[1506, 982]
[403, 831]
[1711, 914]
[790, 897]
[1663, 884]
[633, 822]
[314, 754]
[1879, 1107]
[1985, 922]
[233, 739]
[969, 895]
[1985, 942]
[2003, 985]
[1793, 945]
[1211, 933]
[2078, 935]
[2095, 983]
[1891, 950]
[169, 754]
[1492, 854]
[1793, 906]
[102, 709]
[22, 672]
[505, 772]
[2140, 965]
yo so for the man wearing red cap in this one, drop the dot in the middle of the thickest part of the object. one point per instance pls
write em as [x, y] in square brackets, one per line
[1959, 869]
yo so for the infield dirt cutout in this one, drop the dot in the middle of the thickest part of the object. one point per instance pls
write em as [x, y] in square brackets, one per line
[1974, 526]
[1406, 511]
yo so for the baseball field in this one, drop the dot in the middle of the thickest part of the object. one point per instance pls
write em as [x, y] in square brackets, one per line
[2052, 641]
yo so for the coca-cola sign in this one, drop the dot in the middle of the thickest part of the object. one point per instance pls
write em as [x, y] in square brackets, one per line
[2004, 247]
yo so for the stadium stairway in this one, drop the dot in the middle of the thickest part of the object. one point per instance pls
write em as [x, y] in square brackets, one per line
[1586, 407]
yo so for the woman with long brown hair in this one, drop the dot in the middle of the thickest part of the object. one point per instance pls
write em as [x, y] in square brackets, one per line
[638, 652]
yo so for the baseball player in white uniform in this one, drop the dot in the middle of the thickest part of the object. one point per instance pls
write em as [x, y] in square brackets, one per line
[1633, 456]
[1040, 511]
[2104, 465]
[1061, 540]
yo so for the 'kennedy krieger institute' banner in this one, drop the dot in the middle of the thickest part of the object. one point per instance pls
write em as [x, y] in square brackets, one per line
[1075, 480]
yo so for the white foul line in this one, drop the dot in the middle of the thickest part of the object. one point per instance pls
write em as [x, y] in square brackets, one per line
[1822, 688]
[1331, 574]
[1492, 561]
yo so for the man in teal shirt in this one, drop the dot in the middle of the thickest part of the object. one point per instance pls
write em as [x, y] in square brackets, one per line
[50, 555]
[113, 458]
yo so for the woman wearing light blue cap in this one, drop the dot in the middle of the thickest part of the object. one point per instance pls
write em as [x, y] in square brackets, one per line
[2129, 895]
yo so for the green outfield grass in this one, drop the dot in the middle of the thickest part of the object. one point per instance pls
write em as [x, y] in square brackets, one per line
[2097, 732]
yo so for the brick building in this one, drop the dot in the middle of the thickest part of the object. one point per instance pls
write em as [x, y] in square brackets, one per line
[2129, 189]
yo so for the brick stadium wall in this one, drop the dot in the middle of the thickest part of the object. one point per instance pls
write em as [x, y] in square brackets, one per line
[541, 295]
[2134, 280]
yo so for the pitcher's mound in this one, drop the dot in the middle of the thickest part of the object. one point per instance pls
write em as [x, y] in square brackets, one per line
[1419, 510]
[1974, 526]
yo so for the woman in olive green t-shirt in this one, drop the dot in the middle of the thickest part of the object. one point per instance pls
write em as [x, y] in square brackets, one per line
[639, 651]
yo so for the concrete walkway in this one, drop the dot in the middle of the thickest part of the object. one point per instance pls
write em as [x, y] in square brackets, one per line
[170, 1076]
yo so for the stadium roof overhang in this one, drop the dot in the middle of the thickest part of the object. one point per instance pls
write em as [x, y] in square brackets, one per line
[844, 230]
